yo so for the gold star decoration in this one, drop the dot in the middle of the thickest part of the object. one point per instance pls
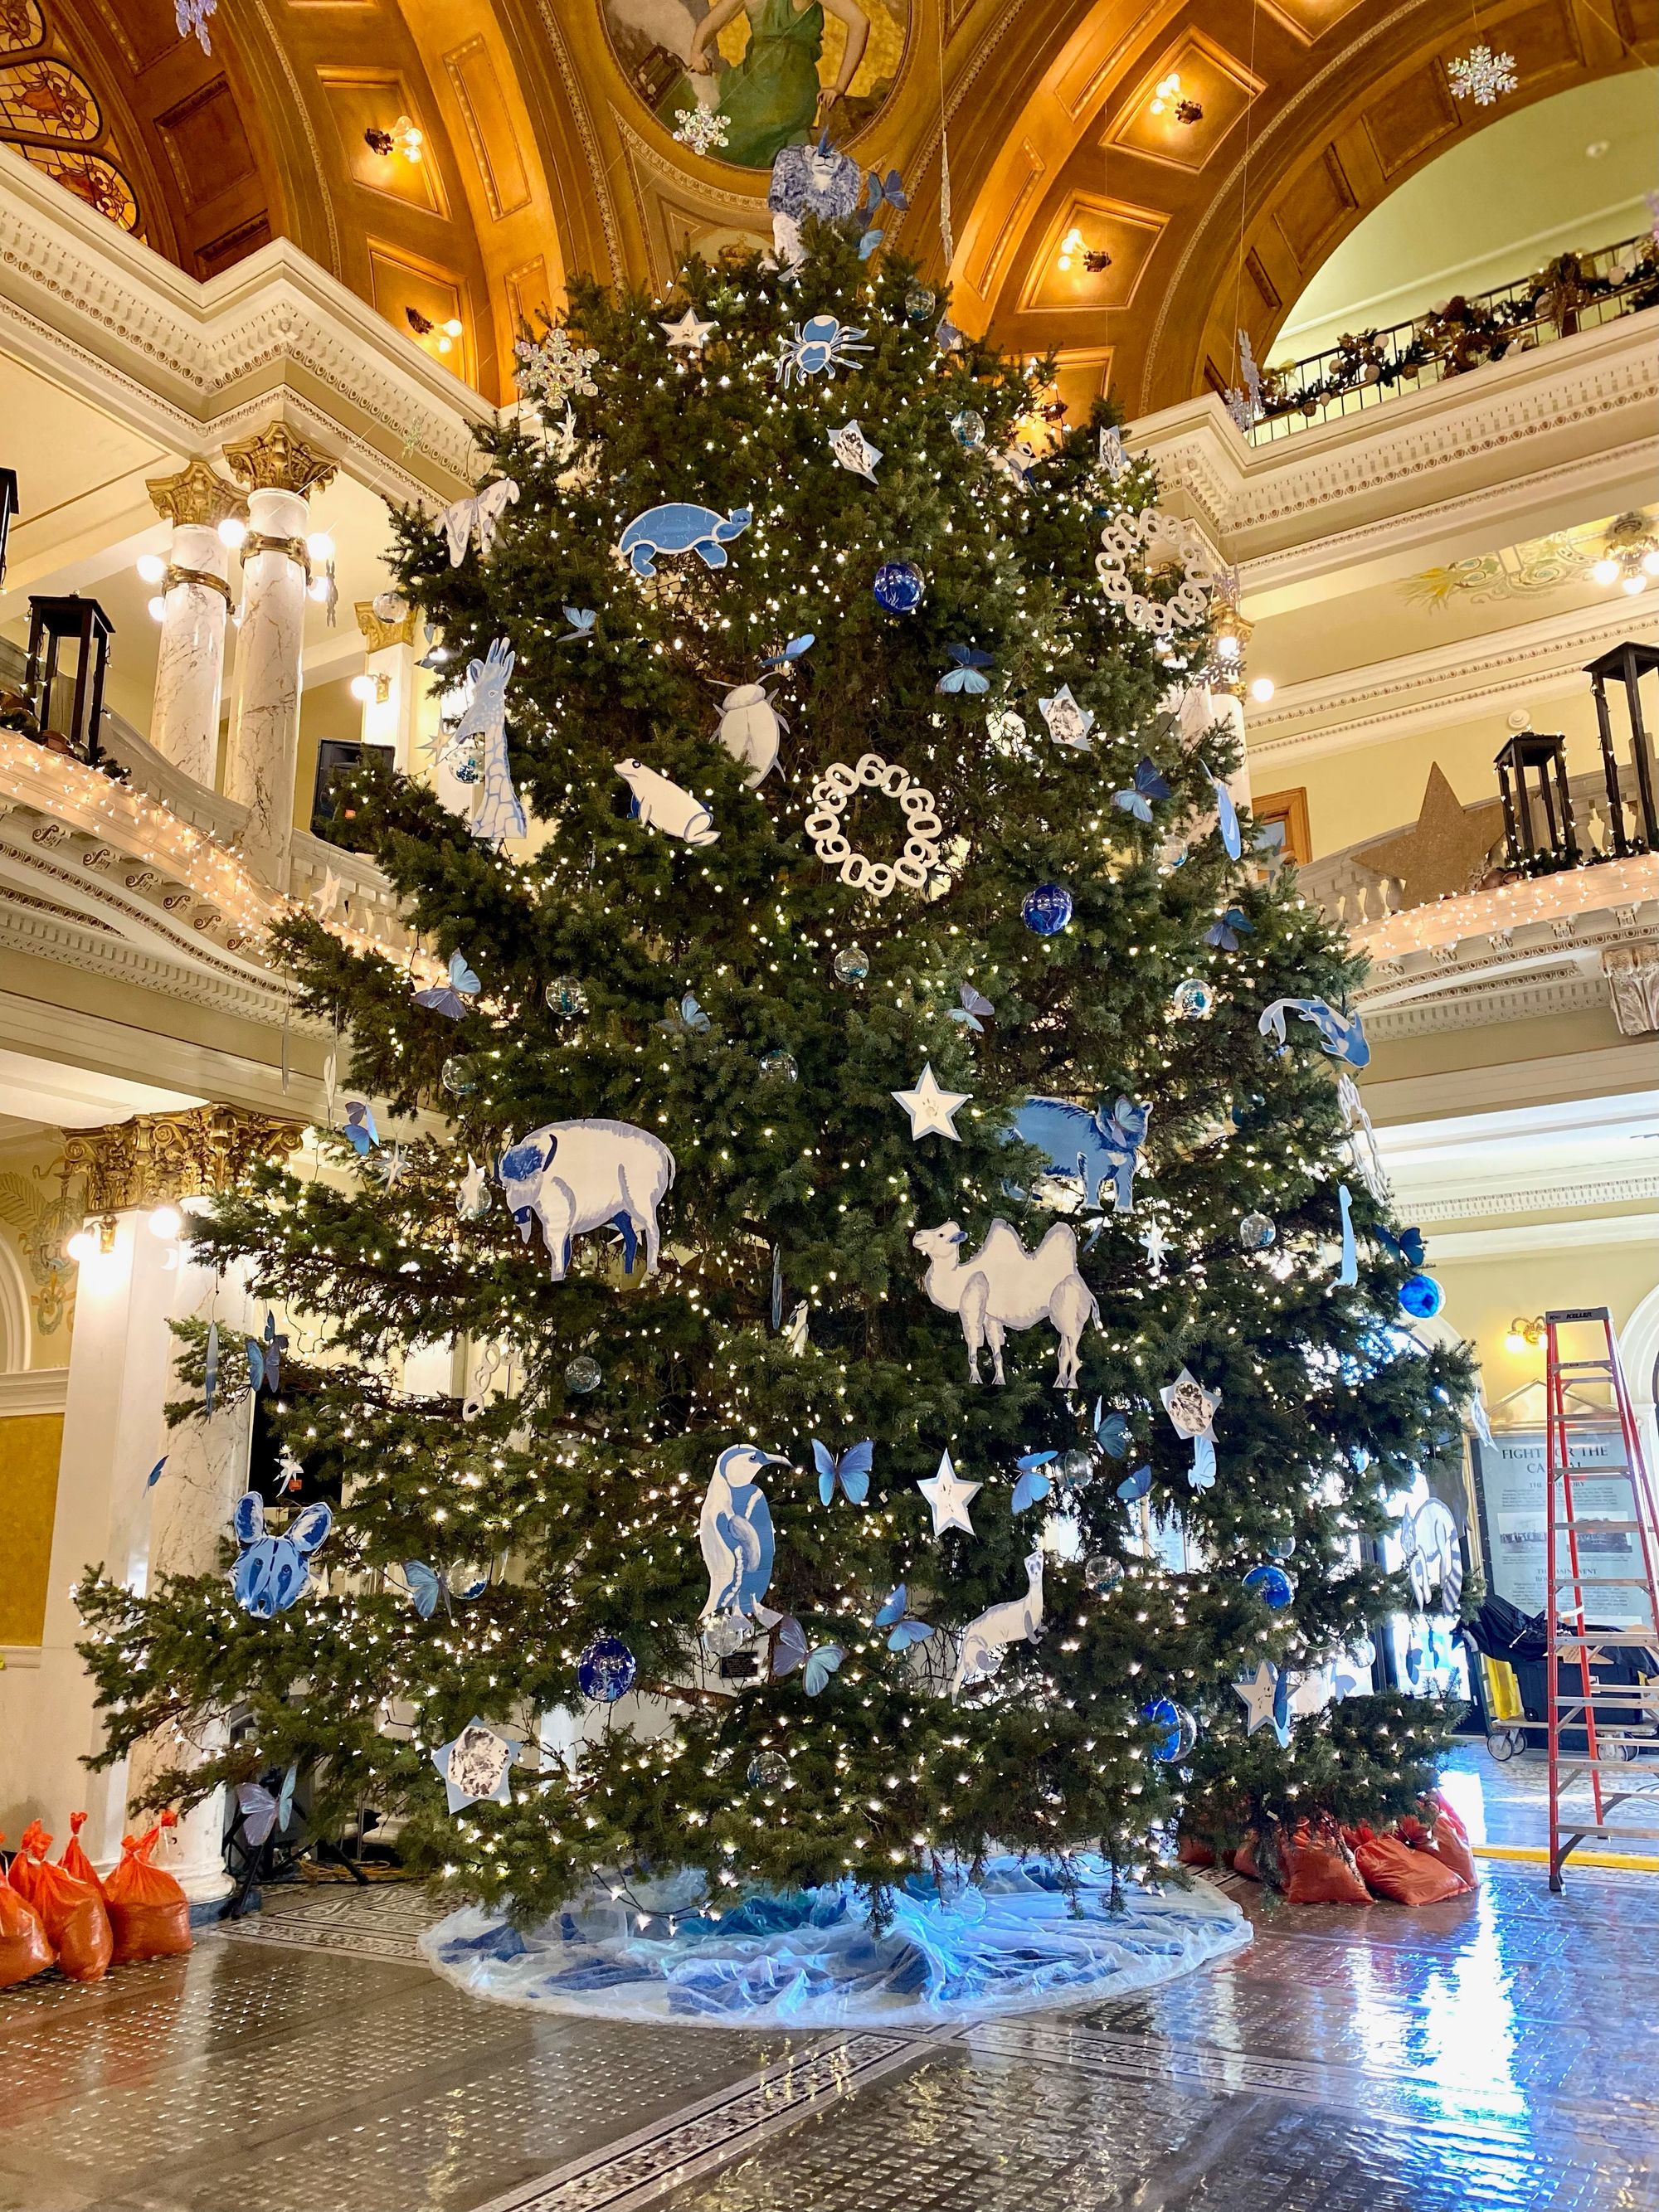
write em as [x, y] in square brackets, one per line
[1446, 853]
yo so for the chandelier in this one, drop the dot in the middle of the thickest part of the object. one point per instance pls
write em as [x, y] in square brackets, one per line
[1631, 554]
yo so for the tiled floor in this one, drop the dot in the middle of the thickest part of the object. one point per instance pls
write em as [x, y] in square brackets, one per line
[1494, 2054]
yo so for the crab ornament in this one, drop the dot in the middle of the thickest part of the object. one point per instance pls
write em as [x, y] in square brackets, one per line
[819, 347]
[272, 1572]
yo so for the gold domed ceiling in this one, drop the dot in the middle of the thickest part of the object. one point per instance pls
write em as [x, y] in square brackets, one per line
[1128, 184]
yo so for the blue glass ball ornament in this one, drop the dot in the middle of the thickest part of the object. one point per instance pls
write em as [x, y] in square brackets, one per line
[583, 1374]
[1193, 999]
[1256, 1232]
[767, 1769]
[465, 1578]
[1177, 1730]
[1047, 909]
[1421, 1297]
[898, 586]
[968, 429]
[918, 303]
[458, 1076]
[566, 998]
[606, 1670]
[852, 965]
[1272, 1585]
[1102, 1572]
[467, 767]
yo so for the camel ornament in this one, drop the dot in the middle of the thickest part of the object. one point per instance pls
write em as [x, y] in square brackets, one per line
[1004, 1286]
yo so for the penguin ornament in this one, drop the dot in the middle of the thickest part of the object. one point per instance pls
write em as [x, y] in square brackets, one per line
[750, 724]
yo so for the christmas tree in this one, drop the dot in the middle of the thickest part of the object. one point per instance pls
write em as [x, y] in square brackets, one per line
[835, 781]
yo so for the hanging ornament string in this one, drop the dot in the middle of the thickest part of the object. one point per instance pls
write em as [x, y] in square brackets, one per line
[1244, 191]
[946, 238]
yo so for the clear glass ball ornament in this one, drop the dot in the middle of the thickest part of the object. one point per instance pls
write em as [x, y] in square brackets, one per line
[459, 1076]
[1281, 1547]
[1102, 1572]
[726, 1634]
[767, 1769]
[968, 427]
[1078, 1467]
[779, 1066]
[1193, 999]
[918, 303]
[1256, 1232]
[1047, 910]
[566, 998]
[606, 1670]
[852, 965]
[583, 1374]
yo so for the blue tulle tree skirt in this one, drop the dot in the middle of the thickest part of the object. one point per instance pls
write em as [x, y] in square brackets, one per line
[1016, 1941]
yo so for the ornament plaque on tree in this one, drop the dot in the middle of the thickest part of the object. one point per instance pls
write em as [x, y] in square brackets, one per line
[876, 878]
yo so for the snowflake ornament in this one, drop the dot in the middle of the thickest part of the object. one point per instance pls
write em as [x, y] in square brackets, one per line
[1482, 76]
[701, 129]
[552, 369]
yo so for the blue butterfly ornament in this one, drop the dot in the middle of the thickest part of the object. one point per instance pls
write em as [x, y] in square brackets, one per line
[360, 1131]
[450, 998]
[1033, 1484]
[820, 1665]
[1135, 1486]
[582, 620]
[852, 1470]
[1137, 797]
[975, 1010]
[1226, 932]
[894, 1614]
[968, 674]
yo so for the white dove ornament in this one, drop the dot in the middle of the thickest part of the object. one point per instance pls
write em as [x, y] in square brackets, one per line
[662, 805]
[735, 1531]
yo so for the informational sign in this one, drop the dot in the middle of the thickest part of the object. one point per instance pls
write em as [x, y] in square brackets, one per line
[1511, 1477]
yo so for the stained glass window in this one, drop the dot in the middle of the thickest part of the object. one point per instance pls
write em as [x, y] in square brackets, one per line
[47, 100]
[48, 112]
[22, 26]
[98, 182]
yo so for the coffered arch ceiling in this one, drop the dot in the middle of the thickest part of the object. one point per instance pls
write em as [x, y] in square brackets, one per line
[1313, 111]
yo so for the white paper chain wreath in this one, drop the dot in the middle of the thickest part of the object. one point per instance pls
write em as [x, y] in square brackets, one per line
[824, 826]
[1126, 540]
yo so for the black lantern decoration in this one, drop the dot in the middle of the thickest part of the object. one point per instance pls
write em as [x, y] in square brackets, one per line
[52, 621]
[7, 514]
[1628, 664]
[1538, 827]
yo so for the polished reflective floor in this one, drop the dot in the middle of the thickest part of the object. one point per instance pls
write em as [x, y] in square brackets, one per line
[1500, 2053]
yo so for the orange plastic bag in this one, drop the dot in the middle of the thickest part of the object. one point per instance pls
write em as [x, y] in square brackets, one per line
[24, 1950]
[1319, 1869]
[1189, 1852]
[22, 1871]
[73, 1859]
[1245, 1858]
[148, 1913]
[72, 1912]
[1448, 1841]
[1393, 1870]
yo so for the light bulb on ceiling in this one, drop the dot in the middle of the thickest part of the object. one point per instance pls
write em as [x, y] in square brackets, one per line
[1634, 584]
[362, 689]
[1606, 570]
[1070, 245]
[152, 569]
[454, 326]
[1262, 689]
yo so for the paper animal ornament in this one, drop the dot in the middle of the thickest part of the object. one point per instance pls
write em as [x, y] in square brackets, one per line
[573, 1176]
[854, 452]
[1004, 1286]
[810, 180]
[818, 347]
[451, 998]
[1232, 837]
[749, 729]
[1191, 1411]
[1101, 1150]
[466, 518]
[271, 1571]
[662, 805]
[475, 1767]
[735, 1531]
[680, 527]
[500, 815]
[1019, 1621]
[1342, 1036]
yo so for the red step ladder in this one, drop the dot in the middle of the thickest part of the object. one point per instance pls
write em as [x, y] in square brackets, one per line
[1592, 1438]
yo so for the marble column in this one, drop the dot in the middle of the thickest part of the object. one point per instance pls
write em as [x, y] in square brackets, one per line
[280, 471]
[195, 594]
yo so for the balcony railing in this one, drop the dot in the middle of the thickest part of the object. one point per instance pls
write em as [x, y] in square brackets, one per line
[1574, 292]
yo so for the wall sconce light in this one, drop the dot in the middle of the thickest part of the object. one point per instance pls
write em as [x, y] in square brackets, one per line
[1262, 689]
[405, 137]
[445, 334]
[1072, 249]
[1630, 557]
[92, 1240]
[1523, 1336]
[371, 691]
[167, 1223]
[1168, 98]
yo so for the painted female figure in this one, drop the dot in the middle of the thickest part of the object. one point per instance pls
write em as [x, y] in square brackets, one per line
[773, 98]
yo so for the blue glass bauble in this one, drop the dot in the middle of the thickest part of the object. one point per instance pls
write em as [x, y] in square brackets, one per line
[898, 586]
[1273, 1586]
[1047, 909]
[852, 965]
[1421, 1297]
[1177, 1730]
[969, 427]
[606, 1670]
[1194, 999]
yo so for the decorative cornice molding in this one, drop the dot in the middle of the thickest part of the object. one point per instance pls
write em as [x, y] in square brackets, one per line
[40, 1390]
[1477, 1202]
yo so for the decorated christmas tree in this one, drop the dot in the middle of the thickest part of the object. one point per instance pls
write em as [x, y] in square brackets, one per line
[931, 1363]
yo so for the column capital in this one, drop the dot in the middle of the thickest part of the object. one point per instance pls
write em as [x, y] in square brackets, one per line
[154, 1160]
[197, 495]
[279, 460]
[378, 633]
